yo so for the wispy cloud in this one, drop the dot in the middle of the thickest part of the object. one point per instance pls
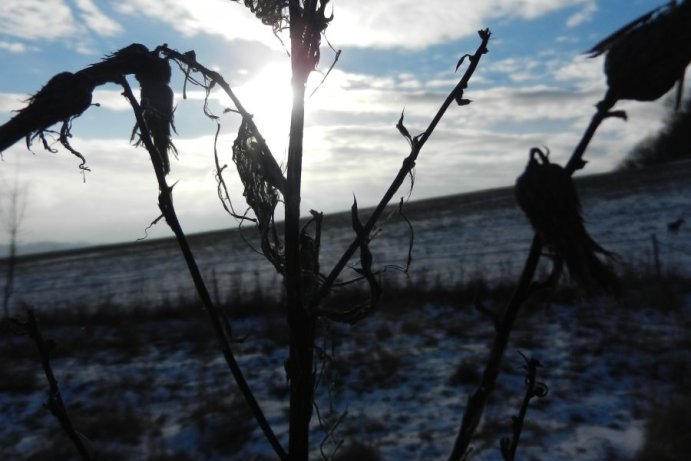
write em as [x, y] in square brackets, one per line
[583, 15]
[37, 19]
[392, 24]
[13, 47]
[407, 24]
[96, 20]
[224, 18]
[30, 23]
[416, 25]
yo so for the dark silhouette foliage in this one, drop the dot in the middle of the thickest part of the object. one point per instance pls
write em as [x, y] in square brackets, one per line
[647, 56]
[67, 95]
[670, 144]
[547, 195]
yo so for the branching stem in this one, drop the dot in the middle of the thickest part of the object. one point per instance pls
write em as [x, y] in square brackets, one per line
[408, 164]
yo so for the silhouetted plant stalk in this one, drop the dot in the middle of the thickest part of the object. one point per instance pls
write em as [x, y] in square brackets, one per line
[217, 317]
[54, 404]
[307, 22]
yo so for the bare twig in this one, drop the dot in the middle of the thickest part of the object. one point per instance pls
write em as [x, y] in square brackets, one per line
[411, 241]
[54, 404]
[533, 388]
[333, 64]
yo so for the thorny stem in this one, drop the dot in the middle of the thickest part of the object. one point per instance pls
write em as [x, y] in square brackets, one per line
[54, 403]
[406, 168]
[165, 203]
[478, 399]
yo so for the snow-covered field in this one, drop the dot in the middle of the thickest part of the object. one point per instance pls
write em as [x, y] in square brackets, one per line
[141, 389]
[457, 239]
[158, 388]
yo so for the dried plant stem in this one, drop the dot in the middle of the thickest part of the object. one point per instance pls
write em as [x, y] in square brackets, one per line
[408, 165]
[576, 161]
[216, 316]
[54, 403]
[300, 324]
[478, 399]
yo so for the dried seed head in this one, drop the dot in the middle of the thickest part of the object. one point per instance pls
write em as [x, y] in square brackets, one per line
[547, 195]
[646, 57]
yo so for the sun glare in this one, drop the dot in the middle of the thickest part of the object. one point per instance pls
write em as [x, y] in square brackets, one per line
[268, 97]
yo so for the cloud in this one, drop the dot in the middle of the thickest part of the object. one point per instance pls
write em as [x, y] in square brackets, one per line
[415, 25]
[54, 19]
[110, 99]
[586, 73]
[12, 101]
[77, 25]
[13, 47]
[70, 206]
[583, 15]
[224, 18]
[407, 24]
[517, 69]
[95, 20]
[37, 19]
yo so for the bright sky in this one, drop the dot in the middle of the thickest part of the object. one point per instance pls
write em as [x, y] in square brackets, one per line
[534, 88]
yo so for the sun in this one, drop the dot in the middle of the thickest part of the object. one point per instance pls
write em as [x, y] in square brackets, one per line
[268, 97]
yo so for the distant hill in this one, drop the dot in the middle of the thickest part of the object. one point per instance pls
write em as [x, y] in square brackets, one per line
[43, 247]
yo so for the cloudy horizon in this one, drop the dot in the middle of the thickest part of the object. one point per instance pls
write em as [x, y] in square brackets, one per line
[534, 88]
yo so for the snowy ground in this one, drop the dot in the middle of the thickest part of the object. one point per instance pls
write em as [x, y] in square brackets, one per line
[141, 389]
